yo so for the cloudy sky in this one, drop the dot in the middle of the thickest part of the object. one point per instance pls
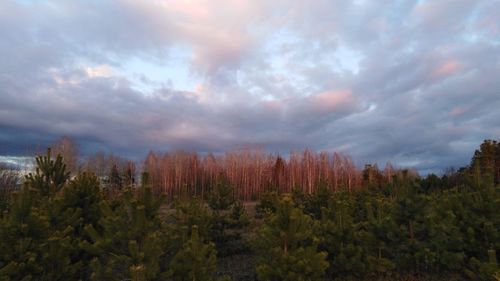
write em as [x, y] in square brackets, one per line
[416, 83]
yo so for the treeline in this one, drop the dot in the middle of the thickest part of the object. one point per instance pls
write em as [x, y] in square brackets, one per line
[252, 173]
[59, 227]
[484, 168]
[181, 174]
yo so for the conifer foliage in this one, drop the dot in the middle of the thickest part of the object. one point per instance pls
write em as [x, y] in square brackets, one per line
[57, 228]
[129, 245]
[33, 244]
[194, 261]
[50, 175]
[22, 233]
[287, 247]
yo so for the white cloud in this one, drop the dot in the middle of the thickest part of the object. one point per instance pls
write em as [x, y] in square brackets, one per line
[406, 81]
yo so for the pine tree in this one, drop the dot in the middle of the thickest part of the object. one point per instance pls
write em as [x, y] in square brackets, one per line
[220, 201]
[409, 212]
[50, 176]
[443, 239]
[315, 202]
[267, 204]
[190, 214]
[43, 247]
[22, 233]
[195, 261]
[484, 163]
[286, 246]
[69, 212]
[128, 242]
[488, 270]
[228, 219]
[221, 198]
[342, 238]
[382, 229]
[238, 217]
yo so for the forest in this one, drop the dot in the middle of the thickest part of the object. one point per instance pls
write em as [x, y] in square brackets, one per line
[248, 215]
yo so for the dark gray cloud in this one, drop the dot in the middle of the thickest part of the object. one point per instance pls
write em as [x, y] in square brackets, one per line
[410, 82]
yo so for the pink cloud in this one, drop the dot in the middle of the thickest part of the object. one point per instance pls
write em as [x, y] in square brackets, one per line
[219, 33]
[447, 68]
[332, 101]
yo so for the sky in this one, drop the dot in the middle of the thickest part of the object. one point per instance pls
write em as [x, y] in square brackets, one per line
[414, 83]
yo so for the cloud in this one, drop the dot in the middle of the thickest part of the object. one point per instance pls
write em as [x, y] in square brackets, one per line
[446, 69]
[411, 82]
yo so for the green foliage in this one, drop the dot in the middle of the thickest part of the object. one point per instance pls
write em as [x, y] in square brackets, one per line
[228, 219]
[70, 211]
[382, 232]
[37, 234]
[286, 246]
[315, 202]
[130, 244]
[221, 198]
[50, 176]
[299, 197]
[486, 270]
[195, 261]
[343, 239]
[485, 164]
[78, 203]
[189, 214]
[60, 229]
[24, 230]
[238, 217]
[267, 204]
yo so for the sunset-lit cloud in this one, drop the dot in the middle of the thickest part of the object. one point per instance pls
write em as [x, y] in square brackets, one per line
[447, 68]
[412, 82]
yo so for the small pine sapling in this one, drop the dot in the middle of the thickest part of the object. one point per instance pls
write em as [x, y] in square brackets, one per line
[195, 261]
[286, 246]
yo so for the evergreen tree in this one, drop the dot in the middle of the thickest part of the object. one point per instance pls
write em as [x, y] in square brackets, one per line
[76, 207]
[50, 176]
[443, 238]
[382, 229]
[286, 246]
[267, 204]
[342, 238]
[238, 217]
[195, 261]
[190, 214]
[130, 244]
[409, 211]
[221, 198]
[228, 219]
[22, 233]
[43, 247]
[484, 163]
[318, 200]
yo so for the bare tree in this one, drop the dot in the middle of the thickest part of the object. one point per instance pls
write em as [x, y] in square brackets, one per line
[67, 148]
